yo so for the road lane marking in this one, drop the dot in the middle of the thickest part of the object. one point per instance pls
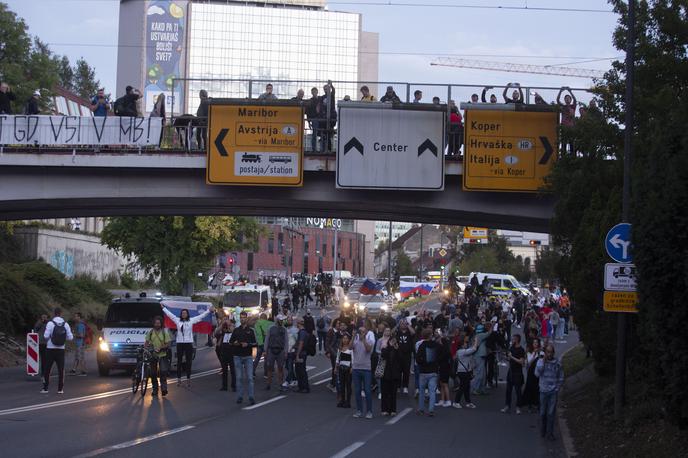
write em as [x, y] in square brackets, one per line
[261, 404]
[401, 415]
[321, 373]
[320, 382]
[348, 450]
[310, 368]
[140, 440]
[92, 397]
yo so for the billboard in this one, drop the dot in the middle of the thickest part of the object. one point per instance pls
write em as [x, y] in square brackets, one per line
[165, 41]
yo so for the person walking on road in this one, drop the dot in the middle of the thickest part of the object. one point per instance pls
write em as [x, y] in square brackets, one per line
[39, 328]
[391, 376]
[464, 371]
[323, 327]
[428, 368]
[57, 333]
[261, 329]
[363, 345]
[223, 334]
[334, 336]
[551, 375]
[301, 355]
[514, 377]
[244, 339]
[275, 350]
[343, 364]
[160, 340]
[79, 367]
[185, 340]
[405, 338]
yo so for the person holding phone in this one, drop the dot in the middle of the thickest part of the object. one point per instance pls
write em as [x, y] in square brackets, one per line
[531, 392]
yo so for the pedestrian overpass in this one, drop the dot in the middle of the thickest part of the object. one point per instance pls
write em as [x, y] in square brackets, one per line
[39, 182]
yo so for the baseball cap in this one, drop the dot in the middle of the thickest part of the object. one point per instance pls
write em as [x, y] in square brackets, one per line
[281, 317]
[37, 92]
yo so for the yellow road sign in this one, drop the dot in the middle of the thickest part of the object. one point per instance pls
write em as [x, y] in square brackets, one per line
[255, 144]
[443, 252]
[474, 232]
[621, 301]
[508, 150]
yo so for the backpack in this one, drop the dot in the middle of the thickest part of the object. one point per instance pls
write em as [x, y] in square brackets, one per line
[321, 323]
[277, 339]
[425, 355]
[59, 334]
[311, 344]
[119, 107]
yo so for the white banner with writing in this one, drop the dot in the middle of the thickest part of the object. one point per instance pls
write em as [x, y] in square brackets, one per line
[79, 130]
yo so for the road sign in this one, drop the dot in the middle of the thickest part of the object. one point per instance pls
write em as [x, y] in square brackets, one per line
[255, 144]
[443, 252]
[472, 235]
[390, 147]
[33, 359]
[621, 301]
[508, 150]
[619, 277]
[618, 243]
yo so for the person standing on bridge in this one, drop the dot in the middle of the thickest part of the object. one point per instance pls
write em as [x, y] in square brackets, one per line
[185, 340]
[57, 333]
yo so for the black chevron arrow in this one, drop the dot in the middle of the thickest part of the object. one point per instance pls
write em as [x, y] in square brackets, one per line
[353, 143]
[218, 142]
[548, 151]
[427, 145]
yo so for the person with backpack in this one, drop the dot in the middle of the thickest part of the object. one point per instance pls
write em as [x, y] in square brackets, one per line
[159, 339]
[57, 333]
[261, 329]
[305, 346]
[428, 368]
[275, 349]
[323, 327]
[79, 343]
[185, 340]
[126, 105]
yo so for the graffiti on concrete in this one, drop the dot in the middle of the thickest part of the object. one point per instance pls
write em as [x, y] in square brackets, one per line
[64, 262]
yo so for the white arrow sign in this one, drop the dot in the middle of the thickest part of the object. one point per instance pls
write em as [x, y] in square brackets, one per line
[618, 242]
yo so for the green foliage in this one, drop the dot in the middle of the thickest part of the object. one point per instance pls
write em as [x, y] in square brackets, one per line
[404, 264]
[92, 288]
[27, 64]
[178, 247]
[493, 257]
[21, 302]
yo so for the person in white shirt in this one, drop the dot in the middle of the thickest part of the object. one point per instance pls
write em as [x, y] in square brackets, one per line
[184, 339]
[57, 332]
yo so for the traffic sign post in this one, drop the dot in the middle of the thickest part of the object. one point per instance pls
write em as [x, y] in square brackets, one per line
[33, 359]
[474, 235]
[619, 277]
[385, 146]
[621, 301]
[618, 243]
[508, 150]
[255, 144]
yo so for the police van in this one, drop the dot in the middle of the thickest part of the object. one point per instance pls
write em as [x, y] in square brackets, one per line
[501, 284]
[124, 330]
[249, 298]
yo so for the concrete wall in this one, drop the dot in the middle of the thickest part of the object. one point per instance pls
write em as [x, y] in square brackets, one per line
[368, 57]
[71, 253]
[132, 27]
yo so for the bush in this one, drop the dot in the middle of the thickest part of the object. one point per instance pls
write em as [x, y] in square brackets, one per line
[51, 281]
[127, 281]
[21, 302]
[92, 288]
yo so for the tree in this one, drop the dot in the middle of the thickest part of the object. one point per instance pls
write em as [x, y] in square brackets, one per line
[404, 264]
[548, 265]
[85, 83]
[178, 247]
[66, 74]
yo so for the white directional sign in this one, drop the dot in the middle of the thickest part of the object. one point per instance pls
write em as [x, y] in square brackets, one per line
[619, 277]
[381, 146]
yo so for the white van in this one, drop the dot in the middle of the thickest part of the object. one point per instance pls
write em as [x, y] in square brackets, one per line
[252, 299]
[502, 284]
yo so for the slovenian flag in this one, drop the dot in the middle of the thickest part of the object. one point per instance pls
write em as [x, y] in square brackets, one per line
[205, 326]
[370, 288]
[407, 288]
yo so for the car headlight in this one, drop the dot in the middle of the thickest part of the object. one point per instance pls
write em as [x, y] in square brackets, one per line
[346, 305]
[361, 307]
[446, 292]
[104, 346]
[384, 307]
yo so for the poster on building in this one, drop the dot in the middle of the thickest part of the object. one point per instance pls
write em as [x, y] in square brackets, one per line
[165, 41]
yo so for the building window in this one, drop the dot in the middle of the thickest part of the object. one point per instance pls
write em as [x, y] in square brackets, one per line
[351, 248]
[249, 266]
[271, 244]
[280, 243]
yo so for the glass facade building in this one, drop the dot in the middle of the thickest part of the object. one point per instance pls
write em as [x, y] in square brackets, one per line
[268, 44]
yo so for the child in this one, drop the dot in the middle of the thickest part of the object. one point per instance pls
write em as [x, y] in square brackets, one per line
[343, 365]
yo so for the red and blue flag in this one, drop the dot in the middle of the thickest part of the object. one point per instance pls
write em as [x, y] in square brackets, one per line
[370, 288]
[407, 288]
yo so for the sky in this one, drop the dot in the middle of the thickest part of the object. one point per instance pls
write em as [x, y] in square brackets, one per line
[410, 37]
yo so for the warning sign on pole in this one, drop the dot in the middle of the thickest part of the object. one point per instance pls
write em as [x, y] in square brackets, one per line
[33, 359]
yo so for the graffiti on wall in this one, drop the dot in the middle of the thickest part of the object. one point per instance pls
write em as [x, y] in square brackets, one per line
[64, 262]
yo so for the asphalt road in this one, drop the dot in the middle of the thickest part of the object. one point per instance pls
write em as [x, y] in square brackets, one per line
[100, 415]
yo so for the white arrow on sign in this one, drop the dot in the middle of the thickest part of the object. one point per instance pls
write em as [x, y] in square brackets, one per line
[618, 242]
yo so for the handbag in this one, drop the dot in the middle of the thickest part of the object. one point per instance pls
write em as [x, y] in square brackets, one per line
[380, 368]
[470, 373]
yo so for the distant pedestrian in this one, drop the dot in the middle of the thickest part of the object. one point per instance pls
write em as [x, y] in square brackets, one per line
[159, 340]
[57, 333]
[391, 377]
[551, 375]
[185, 340]
[464, 371]
[6, 98]
[244, 339]
[301, 356]
[514, 377]
[428, 369]
[261, 329]
[531, 392]
[32, 104]
[275, 349]
[223, 334]
[363, 345]
[79, 367]
[343, 363]
[323, 326]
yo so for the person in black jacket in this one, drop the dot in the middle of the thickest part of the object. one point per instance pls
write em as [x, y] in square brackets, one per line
[32, 104]
[223, 334]
[406, 341]
[391, 377]
[6, 97]
[328, 114]
[243, 340]
[201, 121]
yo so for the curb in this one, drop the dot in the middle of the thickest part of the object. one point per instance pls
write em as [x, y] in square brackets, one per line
[566, 439]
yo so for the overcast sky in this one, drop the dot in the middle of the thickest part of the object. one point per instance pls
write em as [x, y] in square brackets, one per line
[89, 28]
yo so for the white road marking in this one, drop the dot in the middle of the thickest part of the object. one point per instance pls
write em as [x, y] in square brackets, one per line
[399, 416]
[321, 373]
[320, 382]
[348, 450]
[310, 368]
[134, 442]
[80, 399]
[261, 404]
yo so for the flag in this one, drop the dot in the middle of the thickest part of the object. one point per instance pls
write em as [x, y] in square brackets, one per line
[205, 326]
[370, 288]
[408, 288]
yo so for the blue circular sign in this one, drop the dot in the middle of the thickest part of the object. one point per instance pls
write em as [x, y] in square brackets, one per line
[618, 243]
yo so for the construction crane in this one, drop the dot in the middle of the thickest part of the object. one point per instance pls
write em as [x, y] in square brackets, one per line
[517, 68]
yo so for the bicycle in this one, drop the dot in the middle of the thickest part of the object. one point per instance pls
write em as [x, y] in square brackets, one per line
[142, 373]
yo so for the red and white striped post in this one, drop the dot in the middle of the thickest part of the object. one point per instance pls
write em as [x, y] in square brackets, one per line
[32, 355]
